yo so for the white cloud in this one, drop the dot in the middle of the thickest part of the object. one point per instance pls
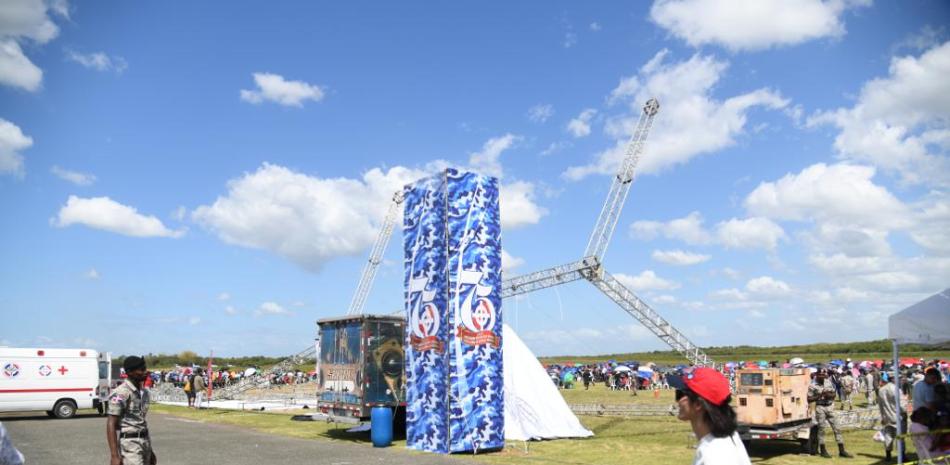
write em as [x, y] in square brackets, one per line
[580, 125]
[194, 321]
[679, 257]
[224, 296]
[767, 287]
[509, 262]
[927, 37]
[646, 281]
[932, 224]
[688, 229]
[91, 274]
[230, 310]
[306, 219]
[274, 88]
[838, 194]
[570, 39]
[540, 112]
[555, 147]
[595, 26]
[900, 123]
[98, 61]
[75, 177]
[16, 70]
[517, 205]
[850, 214]
[750, 233]
[690, 123]
[310, 220]
[729, 294]
[271, 308]
[180, 213]
[12, 141]
[25, 21]
[486, 161]
[751, 24]
[109, 215]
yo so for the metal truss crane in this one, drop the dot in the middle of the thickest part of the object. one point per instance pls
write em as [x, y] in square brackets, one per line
[591, 268]
[375, 256]
[610, 213]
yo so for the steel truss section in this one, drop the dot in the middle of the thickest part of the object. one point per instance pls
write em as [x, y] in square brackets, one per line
[283, 366]
[547, 278]
[639, 309]
[613, 206]
[375, 256]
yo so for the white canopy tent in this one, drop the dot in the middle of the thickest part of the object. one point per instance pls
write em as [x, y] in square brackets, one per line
[534, 409]
[926, 322]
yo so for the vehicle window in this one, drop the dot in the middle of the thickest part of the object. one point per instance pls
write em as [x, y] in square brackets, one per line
[750, 379]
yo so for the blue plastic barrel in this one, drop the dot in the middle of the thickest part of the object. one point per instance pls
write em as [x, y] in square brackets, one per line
[381, 426]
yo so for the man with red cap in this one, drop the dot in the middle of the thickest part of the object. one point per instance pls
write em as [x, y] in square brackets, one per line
[703, 396]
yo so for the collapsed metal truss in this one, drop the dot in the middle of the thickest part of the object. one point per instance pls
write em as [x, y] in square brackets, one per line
[375, 256]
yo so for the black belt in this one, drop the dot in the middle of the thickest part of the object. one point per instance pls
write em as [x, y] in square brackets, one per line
[140, 434]
[829, 404]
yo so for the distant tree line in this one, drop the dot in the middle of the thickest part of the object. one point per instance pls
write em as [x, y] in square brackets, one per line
[881, 345]
[838, 349]
[188, 358]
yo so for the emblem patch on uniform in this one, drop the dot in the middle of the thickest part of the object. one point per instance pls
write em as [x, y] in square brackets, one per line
[117, 399]
[45, 370]
[11, 370]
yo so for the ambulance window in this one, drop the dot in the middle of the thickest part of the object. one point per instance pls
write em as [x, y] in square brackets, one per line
[103, 370]
[768, 402]
[750, 379]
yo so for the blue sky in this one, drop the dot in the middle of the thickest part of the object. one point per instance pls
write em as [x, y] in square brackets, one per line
[211, 176]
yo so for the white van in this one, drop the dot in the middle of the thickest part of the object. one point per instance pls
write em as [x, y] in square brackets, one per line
[57, 381]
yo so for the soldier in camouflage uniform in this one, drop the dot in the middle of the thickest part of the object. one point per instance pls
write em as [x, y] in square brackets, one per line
[823, 393]
[127, 431]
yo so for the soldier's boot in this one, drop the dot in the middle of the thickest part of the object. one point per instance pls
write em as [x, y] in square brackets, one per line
[887, 455]
[823, 451]
[843, 453]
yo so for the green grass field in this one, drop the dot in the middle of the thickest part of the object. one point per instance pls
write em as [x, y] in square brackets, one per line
[648, 440]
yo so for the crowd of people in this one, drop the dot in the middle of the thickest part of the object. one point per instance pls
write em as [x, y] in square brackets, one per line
[924, 406]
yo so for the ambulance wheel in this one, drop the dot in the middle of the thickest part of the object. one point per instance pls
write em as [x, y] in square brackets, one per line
[64, 409]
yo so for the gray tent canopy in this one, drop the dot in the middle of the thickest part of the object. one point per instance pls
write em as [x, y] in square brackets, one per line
[926, 322]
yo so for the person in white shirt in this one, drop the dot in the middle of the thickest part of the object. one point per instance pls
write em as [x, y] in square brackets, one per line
[703, 397]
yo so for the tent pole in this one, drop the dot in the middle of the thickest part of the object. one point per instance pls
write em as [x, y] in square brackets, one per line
[900, 411]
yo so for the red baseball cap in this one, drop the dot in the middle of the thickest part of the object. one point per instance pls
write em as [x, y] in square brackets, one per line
[705, 382]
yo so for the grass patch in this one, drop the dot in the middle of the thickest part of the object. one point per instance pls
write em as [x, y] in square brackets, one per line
[651, 440]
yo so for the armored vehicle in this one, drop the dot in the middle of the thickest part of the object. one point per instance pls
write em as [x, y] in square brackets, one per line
[771, 403]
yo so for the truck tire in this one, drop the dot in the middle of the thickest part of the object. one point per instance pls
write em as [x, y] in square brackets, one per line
[64, 409]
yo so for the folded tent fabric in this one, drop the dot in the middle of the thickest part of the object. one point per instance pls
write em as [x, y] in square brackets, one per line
[534, 409]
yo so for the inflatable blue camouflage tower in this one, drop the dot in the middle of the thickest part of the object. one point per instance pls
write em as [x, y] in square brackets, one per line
[454, 378]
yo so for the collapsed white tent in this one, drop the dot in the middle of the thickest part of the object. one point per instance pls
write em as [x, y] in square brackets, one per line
[534, 409]
[926, 322]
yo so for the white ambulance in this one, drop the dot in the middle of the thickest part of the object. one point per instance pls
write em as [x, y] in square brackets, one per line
[57, 381]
